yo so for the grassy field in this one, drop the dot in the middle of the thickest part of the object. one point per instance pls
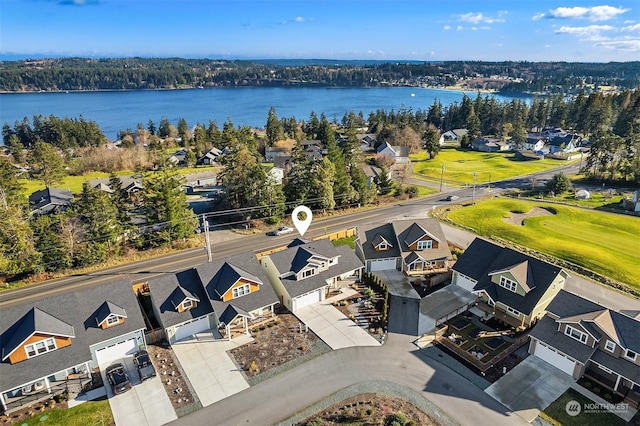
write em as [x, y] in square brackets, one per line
[602, 242]
[556, 413]
[460, 165]
[89, 413]
[74, 183]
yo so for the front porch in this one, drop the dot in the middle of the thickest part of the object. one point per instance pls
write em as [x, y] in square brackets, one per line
[612, 390]
[492, 312]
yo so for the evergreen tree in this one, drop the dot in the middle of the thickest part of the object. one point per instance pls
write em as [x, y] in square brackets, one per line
[99, 215]
[18, 254]
[342, 191]
[384, 182]
[11, 193]
[274, 128]
[120, 199]
[431, 142]
[46, 165]
[48, 242]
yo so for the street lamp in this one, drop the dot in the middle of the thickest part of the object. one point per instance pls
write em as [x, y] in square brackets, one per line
[441, 176]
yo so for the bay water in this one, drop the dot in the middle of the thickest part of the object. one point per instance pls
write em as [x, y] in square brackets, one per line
[120, 110]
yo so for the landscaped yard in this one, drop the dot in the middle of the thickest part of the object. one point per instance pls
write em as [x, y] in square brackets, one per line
[88, 413]
[601, 242]
[459, 165]
[557, 414]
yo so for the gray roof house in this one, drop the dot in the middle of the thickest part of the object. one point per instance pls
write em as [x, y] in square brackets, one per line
[50, 200]
[399, 154]
[508, 284]
[585, 339]
[45, 342]
[302, 274]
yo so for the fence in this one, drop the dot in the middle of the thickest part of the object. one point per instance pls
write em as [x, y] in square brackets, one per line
[345, 233]
[155, 335]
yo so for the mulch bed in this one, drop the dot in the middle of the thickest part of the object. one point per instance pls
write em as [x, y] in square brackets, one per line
[171, 375]
[274, 345]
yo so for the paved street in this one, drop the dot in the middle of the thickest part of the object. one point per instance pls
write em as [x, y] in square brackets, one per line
[397, 361]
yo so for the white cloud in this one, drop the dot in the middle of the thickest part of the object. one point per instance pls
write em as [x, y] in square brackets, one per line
[589, 30]
[459, 27]
[484, 28]
[635, 27]
[299, 19]
[537, 16]
[632, 45]
[477, 18]
[446, 28]
[595, 13]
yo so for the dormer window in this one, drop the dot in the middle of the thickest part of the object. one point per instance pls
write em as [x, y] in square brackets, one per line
[308, 273]
[382, 246]
[508, 284]
[630, 355]
[576, 334]
[610, 346]
[112, 320]
[187, 304]
[424, 245]
[241, 291]
[40, 347]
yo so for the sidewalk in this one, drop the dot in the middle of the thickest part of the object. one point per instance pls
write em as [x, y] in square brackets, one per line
[625, 414]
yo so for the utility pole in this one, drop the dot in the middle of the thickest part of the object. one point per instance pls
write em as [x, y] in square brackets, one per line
[473, 195]
[207, 239]
[441, 176]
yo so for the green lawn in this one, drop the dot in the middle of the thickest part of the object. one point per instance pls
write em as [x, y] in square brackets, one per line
[89, 413]
[556, 413]
[459, 165]
[351, 241]
[602, 242]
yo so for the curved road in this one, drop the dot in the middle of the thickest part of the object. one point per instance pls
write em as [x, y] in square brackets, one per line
[396, 361]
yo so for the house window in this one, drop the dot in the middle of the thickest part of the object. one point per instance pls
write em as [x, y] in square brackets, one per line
[382, 246]
[630, 355]
[508, 284]
[424, 245]
[513, 311]
[610, 346]
[241, 291]
[308, 273]
[187, 304]
[112, 320]
[576, 334]
[41, 347]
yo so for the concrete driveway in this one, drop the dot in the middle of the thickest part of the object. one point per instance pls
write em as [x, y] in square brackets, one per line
[209, 368]
[530, 387]
[146, 403]
[333, 327]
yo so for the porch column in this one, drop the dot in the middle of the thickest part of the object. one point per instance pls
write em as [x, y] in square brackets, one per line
[615, 388]
[228, 328]
[2, 403]
[47, 384]
[246, 325]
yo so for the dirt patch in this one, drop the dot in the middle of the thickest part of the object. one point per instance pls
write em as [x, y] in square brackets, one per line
[274, 344]
[172, 376]
[370, 409]
[37, 410]
[519, 218]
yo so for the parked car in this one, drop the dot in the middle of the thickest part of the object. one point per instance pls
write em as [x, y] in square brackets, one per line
[118, 378]
[143, 363]
[283, 230]
[452, 197]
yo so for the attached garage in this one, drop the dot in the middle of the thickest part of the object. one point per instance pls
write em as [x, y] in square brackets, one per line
[381, 264]
[554, 358]
[189, 328]
[307, 299]
[116, 351]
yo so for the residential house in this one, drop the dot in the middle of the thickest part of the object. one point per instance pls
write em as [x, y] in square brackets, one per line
[210, 157]
[303, 274]
[103, 187]
[372, 173]
[178, 158]
[585, 339]
[239, 292]
[533, 143]
[55, 342]
[512, 286]
[565, 143]
[50, 200]
[632, 204]
[413, 246]
[272, 152]
[367, 141]
[490, 145]
[399, 154]
[452, 136]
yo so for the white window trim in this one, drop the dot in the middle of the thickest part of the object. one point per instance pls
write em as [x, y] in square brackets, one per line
[382, 246]
[112, 320]
[425, 245]
[241, 291]
[309, 272]
[510, 285]
[50, 341]
[582, 335]
[626, 355]
[604, 369]
[187, 304]
[513, 311]
[606, 346]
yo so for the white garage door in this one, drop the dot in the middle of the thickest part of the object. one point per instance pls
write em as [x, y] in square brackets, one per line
[188, 329]
[381, 265]
[307, 299]
[116, 351]
[554, 358]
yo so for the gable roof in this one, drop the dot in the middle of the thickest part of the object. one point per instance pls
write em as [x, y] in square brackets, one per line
[34, 321]
[232, 312]
[225, 277]
[411, 230]
[163, 294]
[379, 239]
[75, 308]
[483, 257]
[107, 309]
[46, 200]
[522, 272]
[367, 234]
[180, 294]
[103, 187]
[303, 257]
[413, 256]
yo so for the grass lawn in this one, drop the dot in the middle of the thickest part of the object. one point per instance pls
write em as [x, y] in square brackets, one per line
[347, 240]
[89, 413]
[74, 183]
[602, 242]
[556, 413]
[459, 165]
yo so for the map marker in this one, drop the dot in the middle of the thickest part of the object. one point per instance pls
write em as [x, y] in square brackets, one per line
[302, 225]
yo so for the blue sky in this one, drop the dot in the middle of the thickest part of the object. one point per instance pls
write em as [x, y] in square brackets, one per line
[533, 30]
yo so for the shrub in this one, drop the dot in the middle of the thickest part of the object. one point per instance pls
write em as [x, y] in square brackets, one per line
[369, 411]
[396, 419]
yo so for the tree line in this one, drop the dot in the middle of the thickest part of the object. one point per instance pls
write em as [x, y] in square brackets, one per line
[157, 73]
